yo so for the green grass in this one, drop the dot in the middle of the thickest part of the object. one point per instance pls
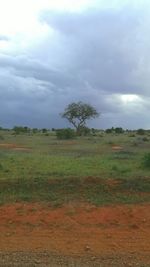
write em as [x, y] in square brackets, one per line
[59, 171]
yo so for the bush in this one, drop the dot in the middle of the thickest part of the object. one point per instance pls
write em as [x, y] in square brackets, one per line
[35, 130]
[1, 166]
[1, 137]
[65, 133]
[44, 130]
[109, 131]
[145, 139]
[119, 130]
[131, 135]
[146, 160]
[83, 131]
[20, 130]
[141, 131]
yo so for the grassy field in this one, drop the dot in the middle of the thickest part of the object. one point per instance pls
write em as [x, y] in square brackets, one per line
[102, 169]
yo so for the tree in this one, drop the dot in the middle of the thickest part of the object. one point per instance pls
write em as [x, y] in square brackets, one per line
[78, 113]
[21, 129]
[119, 130]
[141, 131]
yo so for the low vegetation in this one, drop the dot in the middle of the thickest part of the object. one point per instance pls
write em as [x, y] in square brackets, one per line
[65, 134]
[100, 168]
[146, 160]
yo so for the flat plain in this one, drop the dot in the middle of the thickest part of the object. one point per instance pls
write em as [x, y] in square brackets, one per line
[81, 202]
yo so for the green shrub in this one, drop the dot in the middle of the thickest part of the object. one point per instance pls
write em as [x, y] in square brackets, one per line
[44, 130]
[1, 137]
[131, 135]
[65, 133]
[109, 131]
[35, 130]
[141, 131]
[1, 166]
[146, 160]
[115, 168]
[119, 130]
[20, 129]
[145, 139]
[46, 134]
[83, 131]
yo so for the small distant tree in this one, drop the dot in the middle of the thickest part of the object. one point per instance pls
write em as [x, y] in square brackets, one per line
[109, 131]
[93, 131]
[44, 130]
[119, 130]
[141, 131]
[78, 114]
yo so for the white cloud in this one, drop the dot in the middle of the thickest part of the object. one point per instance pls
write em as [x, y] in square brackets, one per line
[21, 16]
[130, 99]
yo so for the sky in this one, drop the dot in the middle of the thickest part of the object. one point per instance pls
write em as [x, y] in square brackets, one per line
[53, 53]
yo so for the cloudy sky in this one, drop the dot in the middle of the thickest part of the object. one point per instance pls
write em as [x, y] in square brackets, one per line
[54, 52]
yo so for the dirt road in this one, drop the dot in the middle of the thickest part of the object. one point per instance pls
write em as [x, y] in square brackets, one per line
[74, 235]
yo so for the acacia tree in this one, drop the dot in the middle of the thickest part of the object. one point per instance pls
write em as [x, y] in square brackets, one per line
[78, 113]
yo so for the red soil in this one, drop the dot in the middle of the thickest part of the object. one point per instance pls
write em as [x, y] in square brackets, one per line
[8, 145]
[14, 147]
[117, 147]
[76, 229]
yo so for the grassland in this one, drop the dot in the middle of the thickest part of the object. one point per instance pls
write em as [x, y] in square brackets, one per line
[102, 169]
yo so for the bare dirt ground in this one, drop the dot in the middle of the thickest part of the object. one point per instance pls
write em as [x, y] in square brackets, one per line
[14, 147]
[74, 235]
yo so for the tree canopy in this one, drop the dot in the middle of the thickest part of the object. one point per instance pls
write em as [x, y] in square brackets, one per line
[78, 113]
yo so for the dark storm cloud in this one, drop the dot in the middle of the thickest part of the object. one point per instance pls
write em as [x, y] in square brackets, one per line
[25, 67]
[94, 56]
[31, 93]
[101, 42]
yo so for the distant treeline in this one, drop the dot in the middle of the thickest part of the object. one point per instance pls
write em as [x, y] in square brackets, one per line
[86, 131]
